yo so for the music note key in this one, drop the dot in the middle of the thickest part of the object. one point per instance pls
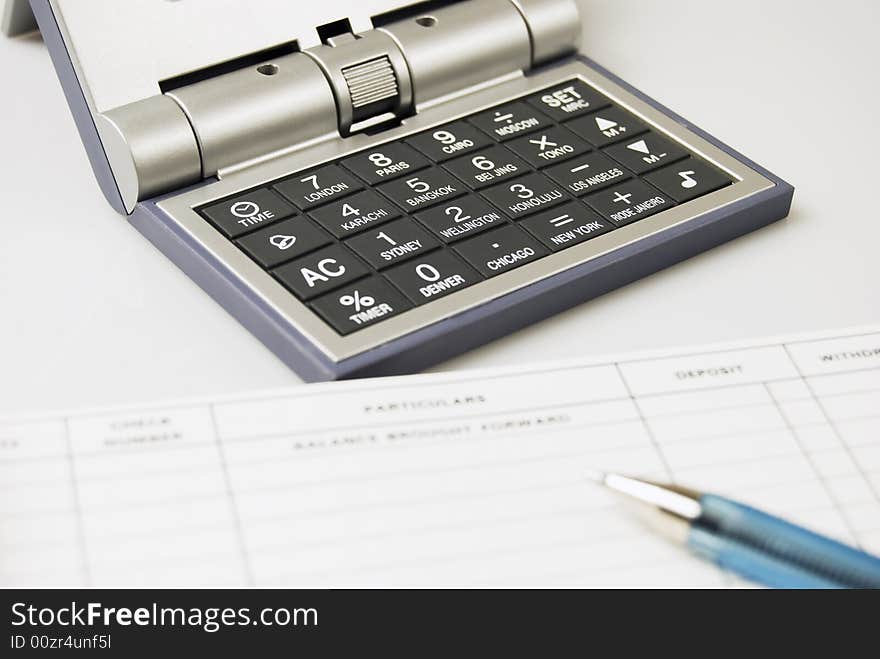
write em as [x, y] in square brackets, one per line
[688, 179]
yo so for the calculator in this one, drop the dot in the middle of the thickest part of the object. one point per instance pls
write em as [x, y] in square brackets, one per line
[371, 194]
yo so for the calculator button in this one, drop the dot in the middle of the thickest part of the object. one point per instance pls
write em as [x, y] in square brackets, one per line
[433, 276]
[498, 251]
[460, 218]
[283, 241]
[566, 226]
[360, 305]
[321, 271]
[688, 180]
[450, 141]
[645, 153]
[309, 189]
[385, 162]
[487, 166]
[568, 100]
[607, 126]
[526, 195]
[628, 202]
[509, 121]
[392, 243]
[586, 174]
[235, 217]
[423, 189]
[549, 146]
[354, 214]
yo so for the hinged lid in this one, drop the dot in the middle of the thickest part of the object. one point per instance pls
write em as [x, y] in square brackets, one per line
[169, 92]
[122, 49]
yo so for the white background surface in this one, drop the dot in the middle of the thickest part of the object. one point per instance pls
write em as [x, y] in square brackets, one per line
[92, 314]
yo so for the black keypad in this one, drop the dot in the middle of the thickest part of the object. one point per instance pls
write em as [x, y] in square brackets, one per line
[360, 305]
[607, 126]
[451, 141]
[501, 250]
[510, 121]
[526, 195]
[423, 189]
[433, 276]
[236, 216]
[646, 152]
[318, 186]
[628, 202]
[283, 241]
[396, 226]
[385, 162]
[688, 180]
[354, 214]
[549, 146]
[321, 271]
[461, 218]
[567, 226]
[586, 174]
[486, 167]
[568, 100]
[392, 243]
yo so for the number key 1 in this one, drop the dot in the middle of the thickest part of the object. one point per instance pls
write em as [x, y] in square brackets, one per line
[392, 243]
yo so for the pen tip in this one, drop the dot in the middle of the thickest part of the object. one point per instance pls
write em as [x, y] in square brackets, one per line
[596, 476]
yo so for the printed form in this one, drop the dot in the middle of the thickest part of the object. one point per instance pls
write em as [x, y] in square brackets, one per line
[459, 479]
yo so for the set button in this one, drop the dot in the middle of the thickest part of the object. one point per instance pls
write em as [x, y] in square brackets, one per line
[526, 195]
[461, 218]
[365, 303]
[426, 188]
[509, 121]
[646, 153]
[235, 217]
[355, 214]
[688, 180]
[449, 141]
[586, 174]
[501, 250]
[283, 241]
[320, 272]
[549, 146]
[629, 202]
[567, 226]
[433, 276]
[607, 127]
[568, 100]
[385, 162]
[392, 243]
[318, 186]
[487, 166]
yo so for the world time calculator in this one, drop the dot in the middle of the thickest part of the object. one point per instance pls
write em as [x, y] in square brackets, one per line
[387, 197]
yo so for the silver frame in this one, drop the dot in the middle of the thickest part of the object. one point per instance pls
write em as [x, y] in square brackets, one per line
[338, 348]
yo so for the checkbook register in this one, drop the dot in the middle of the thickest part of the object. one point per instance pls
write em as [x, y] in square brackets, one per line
[372, 187]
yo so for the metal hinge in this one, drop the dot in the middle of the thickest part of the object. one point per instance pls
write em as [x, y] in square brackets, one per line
[350, 82]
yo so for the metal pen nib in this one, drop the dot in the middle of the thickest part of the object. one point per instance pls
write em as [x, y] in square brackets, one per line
[668, 508]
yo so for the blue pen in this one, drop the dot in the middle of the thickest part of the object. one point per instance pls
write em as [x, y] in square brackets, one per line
[748, 542]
